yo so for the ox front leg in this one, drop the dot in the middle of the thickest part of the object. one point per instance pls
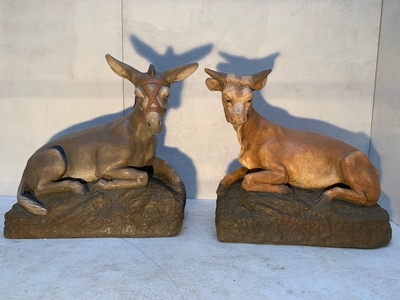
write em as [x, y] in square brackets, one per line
[270, 181]
[121, 178]
[162, 168]
[230, 178]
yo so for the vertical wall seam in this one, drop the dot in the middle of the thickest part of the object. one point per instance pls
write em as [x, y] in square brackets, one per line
[122, 55]
[375, 83]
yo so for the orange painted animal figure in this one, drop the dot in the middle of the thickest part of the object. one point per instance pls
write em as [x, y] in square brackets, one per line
[110, 155]
[277, 158]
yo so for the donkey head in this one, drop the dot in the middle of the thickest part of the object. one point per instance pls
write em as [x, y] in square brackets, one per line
[152, 88]
[237, 92]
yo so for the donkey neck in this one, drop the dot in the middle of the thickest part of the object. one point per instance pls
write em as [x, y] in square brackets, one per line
[138, 126]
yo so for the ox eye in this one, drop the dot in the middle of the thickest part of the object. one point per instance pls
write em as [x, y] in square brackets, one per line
[228, 100]
[249, 101]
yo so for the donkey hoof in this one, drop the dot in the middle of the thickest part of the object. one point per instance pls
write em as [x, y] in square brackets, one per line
[33, 207]
[178, 187]
[100, 184]
[78, 188]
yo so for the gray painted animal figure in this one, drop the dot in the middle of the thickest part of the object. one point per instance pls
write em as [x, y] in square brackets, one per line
[276, 158]
[110, 155]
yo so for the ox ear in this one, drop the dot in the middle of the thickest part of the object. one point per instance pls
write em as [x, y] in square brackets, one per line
[259, 80]
[123, 70]
[180, 73]
[217, 81]
[213, 85]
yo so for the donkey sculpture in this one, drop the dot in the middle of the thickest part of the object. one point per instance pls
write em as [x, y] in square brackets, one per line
[110, 155]
[277, 158]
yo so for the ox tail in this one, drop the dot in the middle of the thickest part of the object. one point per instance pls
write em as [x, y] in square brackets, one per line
[28, 201]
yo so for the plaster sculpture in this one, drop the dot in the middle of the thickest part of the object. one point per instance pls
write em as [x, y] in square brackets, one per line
[111, 155]
[277, 158]
[276, 197]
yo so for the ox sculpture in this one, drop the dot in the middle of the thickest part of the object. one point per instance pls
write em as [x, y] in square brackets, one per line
[275, 158]
[113, 155]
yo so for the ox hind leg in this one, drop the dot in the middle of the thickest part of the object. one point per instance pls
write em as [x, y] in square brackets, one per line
[362, 179]
[47, 171]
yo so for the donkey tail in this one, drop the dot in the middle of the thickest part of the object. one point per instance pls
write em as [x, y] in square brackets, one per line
[31, 204]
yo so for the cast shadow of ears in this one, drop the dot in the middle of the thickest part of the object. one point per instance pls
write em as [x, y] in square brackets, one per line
[164, 61]
[242, 66]
[245, 66]
[177, 159]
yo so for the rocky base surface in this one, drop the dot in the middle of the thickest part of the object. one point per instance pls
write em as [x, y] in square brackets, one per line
[297, 219]
[153, 211]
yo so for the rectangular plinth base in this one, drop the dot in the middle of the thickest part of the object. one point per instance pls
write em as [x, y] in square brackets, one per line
[297, 219]
[153, 211]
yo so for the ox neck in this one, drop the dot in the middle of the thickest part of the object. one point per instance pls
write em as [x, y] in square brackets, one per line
[252, 126]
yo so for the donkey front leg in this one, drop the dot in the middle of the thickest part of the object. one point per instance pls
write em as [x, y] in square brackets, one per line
[120, 178]
[271, 181]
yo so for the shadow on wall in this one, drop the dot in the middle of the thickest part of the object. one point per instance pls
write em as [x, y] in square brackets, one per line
[244, 66]
[232, 64]
[91, 123]
[177, 159]
[384, 200]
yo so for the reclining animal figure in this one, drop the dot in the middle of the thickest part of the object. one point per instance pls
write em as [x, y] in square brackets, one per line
[277, 158]
[110, 155]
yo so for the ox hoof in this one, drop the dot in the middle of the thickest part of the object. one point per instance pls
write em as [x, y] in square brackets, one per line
[287, 189]
[222, 189]
[324, 199]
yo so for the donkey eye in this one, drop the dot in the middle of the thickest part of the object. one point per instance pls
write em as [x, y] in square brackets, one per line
[228, 100]
[249, 101]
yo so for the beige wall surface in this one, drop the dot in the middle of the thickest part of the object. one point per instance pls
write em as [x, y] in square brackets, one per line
[386, 118]
[54, 79]
[53, 75]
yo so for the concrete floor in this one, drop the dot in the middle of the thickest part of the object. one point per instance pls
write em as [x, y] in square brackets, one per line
[193, 265]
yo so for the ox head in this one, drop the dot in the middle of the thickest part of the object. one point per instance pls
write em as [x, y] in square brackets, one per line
[152, 88]
[237, 92]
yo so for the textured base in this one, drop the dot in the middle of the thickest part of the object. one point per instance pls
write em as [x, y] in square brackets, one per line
[297, 219]
[153, 211]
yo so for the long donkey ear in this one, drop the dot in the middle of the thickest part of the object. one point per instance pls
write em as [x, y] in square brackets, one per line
[259, 80]
[123, 70]
[180, 73]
